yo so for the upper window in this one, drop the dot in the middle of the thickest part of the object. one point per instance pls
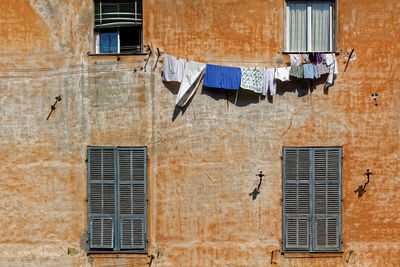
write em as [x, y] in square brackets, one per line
[310, 26]
[117, 204]
[118, 26]
[312, 207]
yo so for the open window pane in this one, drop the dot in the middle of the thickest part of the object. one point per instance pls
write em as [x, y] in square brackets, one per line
[130, 40]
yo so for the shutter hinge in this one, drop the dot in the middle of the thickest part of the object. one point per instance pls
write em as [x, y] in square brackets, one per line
[86, 160]
[281, 157]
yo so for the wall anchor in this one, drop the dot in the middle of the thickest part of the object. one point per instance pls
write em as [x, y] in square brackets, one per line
[374, 96]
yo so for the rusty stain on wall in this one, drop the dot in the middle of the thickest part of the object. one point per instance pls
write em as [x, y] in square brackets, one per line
[202, 164]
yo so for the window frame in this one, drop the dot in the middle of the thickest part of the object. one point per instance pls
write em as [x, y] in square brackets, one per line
[96, 30]
[312, 246]
[333, 26]
[117, 217]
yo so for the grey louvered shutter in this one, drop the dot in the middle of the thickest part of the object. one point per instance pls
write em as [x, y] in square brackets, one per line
[296, 198]
[101, 197]
[327, 199]
[132, 198]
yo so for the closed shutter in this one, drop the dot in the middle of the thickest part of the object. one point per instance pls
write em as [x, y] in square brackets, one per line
[327, 198]
[132, 198]
[296, 198]
[101, 202]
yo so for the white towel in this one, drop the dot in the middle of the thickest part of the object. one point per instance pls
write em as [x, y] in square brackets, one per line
[192, 76]
[173, 68]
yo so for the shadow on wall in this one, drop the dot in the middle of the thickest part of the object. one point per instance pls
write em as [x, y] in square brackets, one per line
[242, 97]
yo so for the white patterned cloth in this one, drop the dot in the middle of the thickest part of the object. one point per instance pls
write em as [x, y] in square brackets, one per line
[252, 79]
[192, 76]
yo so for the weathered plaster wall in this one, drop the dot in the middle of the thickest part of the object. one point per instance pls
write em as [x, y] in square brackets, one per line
[202, 161]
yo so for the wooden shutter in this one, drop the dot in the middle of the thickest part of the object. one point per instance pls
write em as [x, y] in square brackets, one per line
[327, 199]
[101, 197]
[296, 198]
[132, 213]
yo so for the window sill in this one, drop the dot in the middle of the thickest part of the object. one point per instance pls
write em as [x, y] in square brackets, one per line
[101, 55]
[309, 52]
[116, 253]
[312, 254]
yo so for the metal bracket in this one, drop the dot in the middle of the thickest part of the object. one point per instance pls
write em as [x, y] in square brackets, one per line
[348, 258]
[53, 107]
[348, 59]
[158, 57]
[148, 58]
[361, 189]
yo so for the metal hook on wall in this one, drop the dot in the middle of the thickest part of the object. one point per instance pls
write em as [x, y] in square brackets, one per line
[158, 57]
[148, 58]
[53, 107]
[361, 189]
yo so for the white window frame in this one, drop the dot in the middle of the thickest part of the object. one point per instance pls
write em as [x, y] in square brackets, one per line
[309, 28]
[97, 31]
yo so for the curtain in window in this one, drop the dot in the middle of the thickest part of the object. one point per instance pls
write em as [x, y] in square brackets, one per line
[109, 42]
[297, 26]
[320, 26]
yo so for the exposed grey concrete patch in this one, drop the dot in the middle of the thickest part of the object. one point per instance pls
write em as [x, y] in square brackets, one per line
[83, 242]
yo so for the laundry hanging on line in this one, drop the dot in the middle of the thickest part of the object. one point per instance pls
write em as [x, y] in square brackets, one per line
[303, 66]
[222, 77]
[173, 68]
[192, 76]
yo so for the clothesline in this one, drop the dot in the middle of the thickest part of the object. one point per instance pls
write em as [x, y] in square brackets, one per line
[260, 80]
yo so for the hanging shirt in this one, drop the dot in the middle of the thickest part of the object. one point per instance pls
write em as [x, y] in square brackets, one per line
[252, 79]
[269, 81]
[173, 69]
[192, 76]
[333, 68]
[297, 72]
[310, 71]
[305, 58]
[222, 77]
[295, 60]
[322, 68]
[282, 73]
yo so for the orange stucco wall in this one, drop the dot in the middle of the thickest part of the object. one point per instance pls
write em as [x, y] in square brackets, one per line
[202, 161]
